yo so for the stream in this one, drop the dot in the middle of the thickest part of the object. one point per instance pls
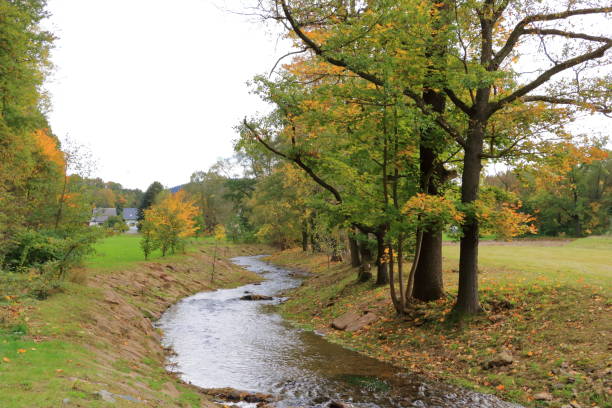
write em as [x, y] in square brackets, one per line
[222, 341]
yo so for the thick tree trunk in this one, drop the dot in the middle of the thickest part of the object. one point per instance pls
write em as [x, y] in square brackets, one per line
[467, 299]
[428, 284]
[382, 274]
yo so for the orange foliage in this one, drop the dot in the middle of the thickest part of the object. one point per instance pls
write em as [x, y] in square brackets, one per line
[49, 148]
[504, 221]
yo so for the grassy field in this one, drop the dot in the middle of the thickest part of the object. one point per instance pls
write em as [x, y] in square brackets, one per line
[123, 250]
[548, 305]
[587, 260]
[95, 333]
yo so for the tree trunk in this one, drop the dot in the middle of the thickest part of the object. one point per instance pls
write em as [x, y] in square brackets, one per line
[304, 239]
[396, 302]
[467, 299]
[365, 269]
[428, 284]
[58, 215]
[382, 274]
[335, 254]
[354, 250]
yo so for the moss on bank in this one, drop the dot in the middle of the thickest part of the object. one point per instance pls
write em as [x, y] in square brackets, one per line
[97, 335]
[554, 319]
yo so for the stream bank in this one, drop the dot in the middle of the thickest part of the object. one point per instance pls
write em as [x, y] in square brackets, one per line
[94, 344]
[233, 338]
[552, 323]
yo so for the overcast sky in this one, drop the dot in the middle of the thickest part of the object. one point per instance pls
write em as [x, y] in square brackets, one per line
[154, 87]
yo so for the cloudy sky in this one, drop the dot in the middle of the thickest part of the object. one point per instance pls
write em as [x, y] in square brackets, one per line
[154, 87]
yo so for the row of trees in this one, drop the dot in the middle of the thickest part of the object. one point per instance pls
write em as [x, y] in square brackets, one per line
[43, 214]
[46, 193]
[388, 112]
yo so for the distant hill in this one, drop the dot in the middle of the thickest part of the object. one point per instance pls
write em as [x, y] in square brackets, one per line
[177, 188]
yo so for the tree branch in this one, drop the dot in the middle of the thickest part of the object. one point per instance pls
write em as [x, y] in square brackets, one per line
[557, 100]
[297, 160]
[546, 75]
[567, 34]
[318, 50]
[519, 30]
[457, 101]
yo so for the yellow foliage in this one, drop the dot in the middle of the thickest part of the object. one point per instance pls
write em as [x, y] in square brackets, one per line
[432, 212]
[173, 217]
[48, 147]
[219, 232]
[504, 221]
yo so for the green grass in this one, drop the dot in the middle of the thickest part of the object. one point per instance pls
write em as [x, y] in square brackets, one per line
[39, 370]
[119, 251]
[548, 304]
[586, 260]
[48, 351]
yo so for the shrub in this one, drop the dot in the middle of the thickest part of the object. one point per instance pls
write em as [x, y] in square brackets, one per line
[46, 251]
[116, 224]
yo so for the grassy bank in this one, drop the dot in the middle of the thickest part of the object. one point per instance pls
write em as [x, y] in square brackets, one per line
[548, 304]
[94, 334]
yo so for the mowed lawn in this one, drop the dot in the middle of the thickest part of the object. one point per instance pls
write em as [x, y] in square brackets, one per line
[123, 250]
[586, 261]
[118, 251]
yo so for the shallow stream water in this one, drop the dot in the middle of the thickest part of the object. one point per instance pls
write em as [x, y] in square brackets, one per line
[221, 341]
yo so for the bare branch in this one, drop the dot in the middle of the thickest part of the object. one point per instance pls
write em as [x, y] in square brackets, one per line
[519, 29]
[556, 100]
[546, 75]
[285, 56]
[567, 34]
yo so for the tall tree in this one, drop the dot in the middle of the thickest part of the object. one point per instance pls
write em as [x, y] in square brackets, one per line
[149, 197]
[482, 79]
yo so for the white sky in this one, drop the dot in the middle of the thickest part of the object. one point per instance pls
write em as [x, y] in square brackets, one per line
[154, 87]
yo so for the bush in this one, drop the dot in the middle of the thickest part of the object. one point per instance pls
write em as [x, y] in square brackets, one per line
[46, 251]
[116, 224]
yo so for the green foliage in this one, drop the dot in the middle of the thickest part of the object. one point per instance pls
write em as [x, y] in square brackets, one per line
[49, 250]
[572, 202]
[148, 243]
[149, 197]
[208, 191]
[116, 224]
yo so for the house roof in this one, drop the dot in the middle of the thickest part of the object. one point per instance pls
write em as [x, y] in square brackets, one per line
[130, 214]
[102, 214]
